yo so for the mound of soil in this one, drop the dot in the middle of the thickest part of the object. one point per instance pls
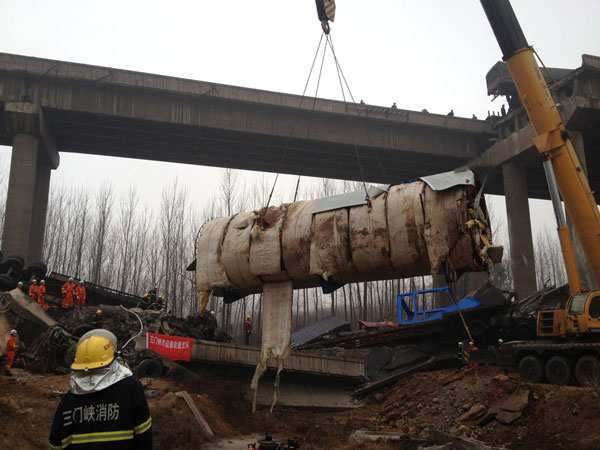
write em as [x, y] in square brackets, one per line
[555, 416]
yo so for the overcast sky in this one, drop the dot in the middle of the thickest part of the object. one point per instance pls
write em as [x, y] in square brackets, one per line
[430, 54]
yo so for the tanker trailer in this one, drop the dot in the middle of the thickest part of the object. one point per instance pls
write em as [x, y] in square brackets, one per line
[397, 231]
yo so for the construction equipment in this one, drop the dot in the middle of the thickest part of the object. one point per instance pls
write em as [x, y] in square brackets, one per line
[579, 322]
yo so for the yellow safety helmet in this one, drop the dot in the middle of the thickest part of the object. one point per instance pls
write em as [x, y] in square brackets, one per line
[146, 295]
[248, 316]
[94, 352]
[98, 311]
[160, 297]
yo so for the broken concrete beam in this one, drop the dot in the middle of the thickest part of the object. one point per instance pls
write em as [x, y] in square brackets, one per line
[197, 413]
[406, 230]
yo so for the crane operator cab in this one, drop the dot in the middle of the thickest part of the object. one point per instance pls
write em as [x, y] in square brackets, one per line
[580, 316]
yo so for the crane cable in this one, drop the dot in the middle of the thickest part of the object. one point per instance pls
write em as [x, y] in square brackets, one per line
[343, 77]
[294, 123]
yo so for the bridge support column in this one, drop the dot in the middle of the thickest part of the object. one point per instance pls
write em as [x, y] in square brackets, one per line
[39, 213]
[19, 200]
[519, 229]
[33, 157]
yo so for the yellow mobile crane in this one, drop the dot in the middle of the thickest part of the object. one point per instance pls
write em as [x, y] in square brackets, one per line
[574, 329]
[573, 333]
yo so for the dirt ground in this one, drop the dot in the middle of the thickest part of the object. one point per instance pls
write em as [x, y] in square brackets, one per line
[554, 418]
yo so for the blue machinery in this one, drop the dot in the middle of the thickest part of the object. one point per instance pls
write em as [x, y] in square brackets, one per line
[408, 309]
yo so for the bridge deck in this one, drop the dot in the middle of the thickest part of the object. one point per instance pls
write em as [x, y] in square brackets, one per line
[298, 362]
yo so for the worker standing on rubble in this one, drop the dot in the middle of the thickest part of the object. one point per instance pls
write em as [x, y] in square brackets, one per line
[152, 292]
[211, 326]
[80, 295]
[106, 406]
[161, 303]
[11, 349]
[41, 294]
[98, 320]
[68, 289]
[248, 329]
[20, 285]
[33, 289]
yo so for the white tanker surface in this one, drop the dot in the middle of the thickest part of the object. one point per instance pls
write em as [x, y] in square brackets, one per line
[403, 230]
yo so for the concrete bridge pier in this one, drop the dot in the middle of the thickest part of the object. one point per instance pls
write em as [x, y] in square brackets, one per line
[519, 229]
[33, 157]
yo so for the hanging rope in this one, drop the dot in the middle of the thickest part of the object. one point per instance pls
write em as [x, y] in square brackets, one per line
[294, 123]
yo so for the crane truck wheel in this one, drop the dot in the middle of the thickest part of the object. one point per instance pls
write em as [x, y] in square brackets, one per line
[476, 327]
[587, 370]
[559, 370]
[531, 369]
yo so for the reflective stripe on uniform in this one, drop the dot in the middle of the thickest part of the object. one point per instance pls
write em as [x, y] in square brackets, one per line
[54, 447]
[107, 436]
[143, 427]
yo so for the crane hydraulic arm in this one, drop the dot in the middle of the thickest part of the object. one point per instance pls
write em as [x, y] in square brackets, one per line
[552, 142]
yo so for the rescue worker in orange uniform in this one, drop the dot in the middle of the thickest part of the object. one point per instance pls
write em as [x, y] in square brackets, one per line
[11, 348]
[80, 295]
[41, 294]
[68, 290]
[473, 364]
[248, 329]
[33, 289]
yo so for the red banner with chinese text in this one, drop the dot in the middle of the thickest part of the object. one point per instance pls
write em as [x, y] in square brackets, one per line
[175, 348]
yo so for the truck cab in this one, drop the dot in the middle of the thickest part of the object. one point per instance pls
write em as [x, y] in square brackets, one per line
[580, 316]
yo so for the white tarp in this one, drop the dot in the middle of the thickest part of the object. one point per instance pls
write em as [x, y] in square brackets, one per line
[276, 327]
[236, 251]
[210, 272]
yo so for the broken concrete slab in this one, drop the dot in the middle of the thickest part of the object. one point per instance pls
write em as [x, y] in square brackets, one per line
[360, 436]
[475, 412]
[460, 442]
[516, 402]
[305, 395]
[507, 417]
[507, 410]
[375, 360]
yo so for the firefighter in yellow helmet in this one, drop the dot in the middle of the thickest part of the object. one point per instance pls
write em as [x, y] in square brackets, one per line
[106, 406]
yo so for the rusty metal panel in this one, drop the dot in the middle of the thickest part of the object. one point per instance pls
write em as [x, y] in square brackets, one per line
[445, 219]
[265, 245]
[330, 244]
[210, 272]
[295, 239]
[369, 238]
[405, 226]
[236, 251]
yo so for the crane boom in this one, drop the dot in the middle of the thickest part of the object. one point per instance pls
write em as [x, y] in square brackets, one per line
[551, 139]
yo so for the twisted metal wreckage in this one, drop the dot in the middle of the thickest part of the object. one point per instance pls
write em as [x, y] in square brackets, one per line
[435, 224]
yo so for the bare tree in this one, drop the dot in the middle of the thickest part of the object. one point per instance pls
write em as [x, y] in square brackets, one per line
[104, 204]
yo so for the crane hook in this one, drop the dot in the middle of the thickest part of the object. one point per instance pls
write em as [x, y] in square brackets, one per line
[326, 13]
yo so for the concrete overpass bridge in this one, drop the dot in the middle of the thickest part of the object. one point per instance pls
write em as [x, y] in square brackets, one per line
[48, 106]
